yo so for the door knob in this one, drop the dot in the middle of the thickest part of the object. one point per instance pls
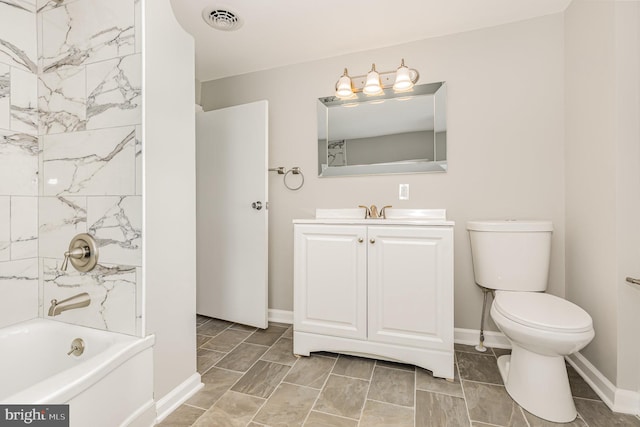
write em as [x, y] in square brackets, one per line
[256, 205]
[372, 241]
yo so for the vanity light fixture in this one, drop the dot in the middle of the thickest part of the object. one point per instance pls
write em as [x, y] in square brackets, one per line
[374, 82]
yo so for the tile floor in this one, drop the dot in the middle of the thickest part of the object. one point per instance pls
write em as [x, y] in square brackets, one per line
[251, 378]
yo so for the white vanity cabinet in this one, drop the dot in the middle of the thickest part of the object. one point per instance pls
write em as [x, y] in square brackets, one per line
[375, 288]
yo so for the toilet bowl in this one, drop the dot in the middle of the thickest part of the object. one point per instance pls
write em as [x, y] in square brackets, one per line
[542, 329]
[512, 258]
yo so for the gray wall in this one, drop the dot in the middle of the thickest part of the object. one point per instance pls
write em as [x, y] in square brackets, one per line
[198, 87]
[602, 170]
[505, 127]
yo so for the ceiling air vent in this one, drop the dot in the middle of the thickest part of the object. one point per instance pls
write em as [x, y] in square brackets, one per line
[222, 19]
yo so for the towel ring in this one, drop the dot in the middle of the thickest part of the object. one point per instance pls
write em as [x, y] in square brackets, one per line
[296, 171]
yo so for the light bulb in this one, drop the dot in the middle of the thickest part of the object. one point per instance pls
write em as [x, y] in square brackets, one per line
[403, 78]
[344, 87]
[373, 85]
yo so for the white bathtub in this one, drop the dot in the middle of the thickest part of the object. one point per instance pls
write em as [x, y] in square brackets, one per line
[109, 385]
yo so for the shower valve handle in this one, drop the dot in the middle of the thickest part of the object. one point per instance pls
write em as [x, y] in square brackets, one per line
[76, 253]
[82, 252]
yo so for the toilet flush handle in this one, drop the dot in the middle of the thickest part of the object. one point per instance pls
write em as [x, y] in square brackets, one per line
[634, 281]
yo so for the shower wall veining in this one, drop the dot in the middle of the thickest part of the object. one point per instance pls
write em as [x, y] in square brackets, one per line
[70, 158]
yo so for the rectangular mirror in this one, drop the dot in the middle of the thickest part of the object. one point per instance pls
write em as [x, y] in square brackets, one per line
[386, 134]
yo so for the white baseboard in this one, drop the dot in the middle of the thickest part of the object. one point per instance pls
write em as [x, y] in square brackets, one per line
[627, 401]
[145, 416]
[178, 396]
[617, 399]
[472, 337]
[280, 316]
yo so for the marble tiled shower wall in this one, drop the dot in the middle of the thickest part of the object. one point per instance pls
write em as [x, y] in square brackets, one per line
[18, 161]
[75, 122]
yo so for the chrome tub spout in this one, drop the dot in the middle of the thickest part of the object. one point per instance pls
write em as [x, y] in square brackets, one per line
[76, 301]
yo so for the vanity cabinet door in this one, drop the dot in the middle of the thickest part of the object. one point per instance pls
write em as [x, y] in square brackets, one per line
[411, 286]
[330, 280]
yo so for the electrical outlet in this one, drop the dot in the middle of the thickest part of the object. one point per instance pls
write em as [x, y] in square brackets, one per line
[403, 192]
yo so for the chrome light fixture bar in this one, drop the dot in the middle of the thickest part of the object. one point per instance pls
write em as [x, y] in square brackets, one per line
[374, 83]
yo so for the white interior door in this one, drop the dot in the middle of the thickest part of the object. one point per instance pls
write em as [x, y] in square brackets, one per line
[231, 150]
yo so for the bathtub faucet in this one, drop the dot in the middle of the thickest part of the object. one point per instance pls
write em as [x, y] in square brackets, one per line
[76, 301]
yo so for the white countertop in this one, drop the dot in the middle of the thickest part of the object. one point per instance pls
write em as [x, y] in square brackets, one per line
[398, 221]
[421, 217]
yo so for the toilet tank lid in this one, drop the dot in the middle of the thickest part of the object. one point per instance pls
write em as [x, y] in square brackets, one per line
[510, 225]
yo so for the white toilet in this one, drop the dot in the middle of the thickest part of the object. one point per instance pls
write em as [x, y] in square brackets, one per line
[512, 257]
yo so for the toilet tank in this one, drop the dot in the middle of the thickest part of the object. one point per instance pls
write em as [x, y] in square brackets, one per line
[511, 255]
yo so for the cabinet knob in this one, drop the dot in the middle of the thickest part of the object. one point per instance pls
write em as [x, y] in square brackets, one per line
[372, 240]
[360, 240]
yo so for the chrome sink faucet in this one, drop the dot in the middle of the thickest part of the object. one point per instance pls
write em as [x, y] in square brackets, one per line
[76, 301]
[372, 212]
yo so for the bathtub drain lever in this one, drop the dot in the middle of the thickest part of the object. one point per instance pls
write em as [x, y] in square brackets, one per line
[77, 347]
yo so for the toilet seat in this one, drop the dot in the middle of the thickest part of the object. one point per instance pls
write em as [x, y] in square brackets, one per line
[542, 311]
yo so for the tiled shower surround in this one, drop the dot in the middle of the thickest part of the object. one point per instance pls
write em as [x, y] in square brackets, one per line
[70, 157]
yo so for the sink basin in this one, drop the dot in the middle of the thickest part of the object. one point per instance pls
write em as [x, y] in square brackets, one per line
[423, 214]
[356, 213]
[391, 213]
